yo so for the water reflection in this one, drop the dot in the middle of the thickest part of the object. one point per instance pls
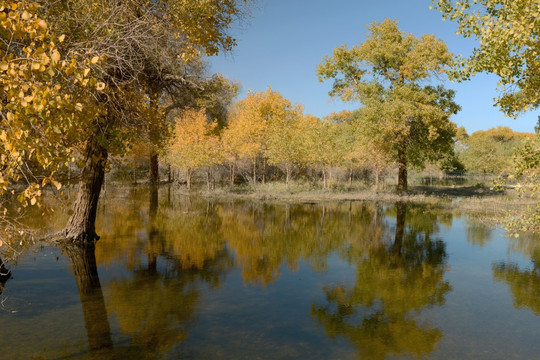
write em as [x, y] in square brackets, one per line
[5, 275]
[163, 260]
[524, 282]
[395, 280]
[399, 273]
[83, 264]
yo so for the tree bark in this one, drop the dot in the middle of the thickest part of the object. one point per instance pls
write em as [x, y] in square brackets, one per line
[154, 169]
[188, 178]
[232, 174]
[254, 171]
[264, 171]
[287, 175]
[81, 224]
[402, 172]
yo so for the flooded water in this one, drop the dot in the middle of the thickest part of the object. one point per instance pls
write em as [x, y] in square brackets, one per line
[175, 277]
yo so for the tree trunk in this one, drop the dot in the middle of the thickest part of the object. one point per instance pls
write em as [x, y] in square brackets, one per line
[83, 263]
[254, 171]
[208, 187]
[81, 224]
[154, 169]
[232, 173]
[402, 172]
[324, 177]
[170, 174]
[188, 178]
[350, 175]
[264, 171]
[377, 172]
[287, 175]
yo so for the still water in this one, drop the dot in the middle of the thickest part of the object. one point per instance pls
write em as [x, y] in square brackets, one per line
[175, 277]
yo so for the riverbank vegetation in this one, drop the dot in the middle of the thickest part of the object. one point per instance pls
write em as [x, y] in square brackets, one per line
[98, 87]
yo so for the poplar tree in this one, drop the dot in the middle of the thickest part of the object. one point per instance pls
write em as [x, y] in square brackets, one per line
[387, 74]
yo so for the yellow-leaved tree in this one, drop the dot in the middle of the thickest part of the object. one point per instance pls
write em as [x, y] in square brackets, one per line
[245, 136]
[137, 50]
[194, 143]
[42, 117]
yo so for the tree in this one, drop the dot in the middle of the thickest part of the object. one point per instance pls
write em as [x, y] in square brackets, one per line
[386, 74]
[283, 147]
[245, 136]
[194, 143]
[509, 42]
[42, 118]
[146, 48]
[490, 151]
[325, 144]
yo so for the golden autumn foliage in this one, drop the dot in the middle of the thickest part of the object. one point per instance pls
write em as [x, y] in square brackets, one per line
[194, 143]
[43, 119]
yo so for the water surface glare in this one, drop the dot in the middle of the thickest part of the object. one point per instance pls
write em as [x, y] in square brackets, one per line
[176, 277]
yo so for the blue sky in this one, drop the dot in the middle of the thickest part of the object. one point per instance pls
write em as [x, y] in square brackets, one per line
[285, 40]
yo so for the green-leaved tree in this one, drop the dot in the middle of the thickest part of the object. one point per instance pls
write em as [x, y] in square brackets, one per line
[387, 75]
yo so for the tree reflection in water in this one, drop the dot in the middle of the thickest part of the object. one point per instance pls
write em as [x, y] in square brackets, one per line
[524, 283]
[395, 281]
[156, 301]
[96, 322]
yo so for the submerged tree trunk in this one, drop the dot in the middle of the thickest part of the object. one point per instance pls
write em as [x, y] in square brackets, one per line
[402, 172]
[154, 169]
[83, 262]
[81, 224]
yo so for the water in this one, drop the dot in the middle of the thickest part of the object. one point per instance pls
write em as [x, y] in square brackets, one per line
[177, 277]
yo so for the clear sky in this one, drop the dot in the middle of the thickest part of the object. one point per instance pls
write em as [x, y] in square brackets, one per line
[285, 40]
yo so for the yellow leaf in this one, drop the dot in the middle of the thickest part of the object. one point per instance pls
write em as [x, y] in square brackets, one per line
[86, 72]
[57, 184]
[55, 56]
[42, 24]
[33, 201]
[61, 38]
[26, 15]
[100, 86]
[94, 60]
